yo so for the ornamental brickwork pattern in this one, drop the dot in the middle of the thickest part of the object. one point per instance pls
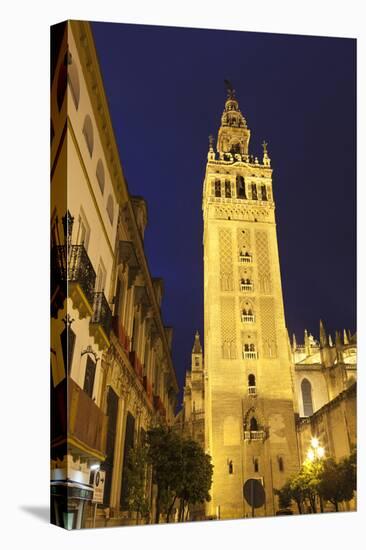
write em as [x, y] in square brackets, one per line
[226, 262]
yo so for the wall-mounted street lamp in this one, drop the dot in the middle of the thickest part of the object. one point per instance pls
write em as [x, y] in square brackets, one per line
[316, 451]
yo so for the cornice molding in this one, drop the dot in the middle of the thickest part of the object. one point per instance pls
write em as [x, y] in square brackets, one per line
[84, 40]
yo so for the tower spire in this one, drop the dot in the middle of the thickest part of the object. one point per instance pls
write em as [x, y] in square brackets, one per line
[294, 343]
[322, 335]
[197, 348]
[234, 135]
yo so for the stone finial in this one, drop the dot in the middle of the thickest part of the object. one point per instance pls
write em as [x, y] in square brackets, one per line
[322, 335]
[345, 338]
[294, 343]
[266, 159]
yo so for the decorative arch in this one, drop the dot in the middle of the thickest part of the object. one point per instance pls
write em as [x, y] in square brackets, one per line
[100, 175]
[240, 187]
[110, 208]
[73, 81]
[89, 134]
[251, 380]
[307, 398]
[250, 414]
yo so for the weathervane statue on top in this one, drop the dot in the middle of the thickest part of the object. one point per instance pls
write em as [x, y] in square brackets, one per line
[230, 89]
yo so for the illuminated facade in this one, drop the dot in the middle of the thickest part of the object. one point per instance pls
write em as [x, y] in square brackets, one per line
[112, 375]
[249, 399]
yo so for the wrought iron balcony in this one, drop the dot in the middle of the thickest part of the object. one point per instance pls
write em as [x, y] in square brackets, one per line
[246, 287]
[102, 314]
[255, 435]
[71, 264]
[252, 390]
[247, 318]
[249, 355]
[245, 258]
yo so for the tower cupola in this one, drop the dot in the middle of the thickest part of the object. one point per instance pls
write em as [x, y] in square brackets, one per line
[233, 134]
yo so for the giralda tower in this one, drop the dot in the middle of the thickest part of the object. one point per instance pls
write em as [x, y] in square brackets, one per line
[249, 401]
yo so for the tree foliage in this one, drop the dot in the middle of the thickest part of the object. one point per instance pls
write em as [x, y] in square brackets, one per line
[285, 495]
[181, 470]
[137, 499]
[337, 482]
[196, 475]
[323, 480]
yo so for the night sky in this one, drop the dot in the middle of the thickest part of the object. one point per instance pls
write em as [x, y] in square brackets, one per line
[165, 88]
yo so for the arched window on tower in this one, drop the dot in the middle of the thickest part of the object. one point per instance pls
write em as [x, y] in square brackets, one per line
[217, 188]
[307, 400]
[253, 429]
[240, 187]
[251, 380]
[264, 192]
[235, 148]
[253, 424]
[254, 192]
[227, 189]
[252, 389]
[88, 134]
[249, 351]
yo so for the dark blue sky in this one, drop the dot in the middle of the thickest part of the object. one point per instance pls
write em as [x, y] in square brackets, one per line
[166, 95]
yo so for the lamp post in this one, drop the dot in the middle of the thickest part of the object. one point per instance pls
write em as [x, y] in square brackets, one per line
[314, 455]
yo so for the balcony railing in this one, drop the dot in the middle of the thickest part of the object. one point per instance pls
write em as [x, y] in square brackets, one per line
[81, 420]
[247, 318]
[254, 436]
[102, 314]
[246, 287]
[245, 258]
[252, 390]
[72, 264]
[249, 355]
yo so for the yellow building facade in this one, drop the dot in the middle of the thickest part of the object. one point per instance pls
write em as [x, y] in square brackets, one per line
[249, 393]
[112, 375]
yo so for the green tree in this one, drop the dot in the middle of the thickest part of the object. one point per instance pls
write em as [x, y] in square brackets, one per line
[337, 482]
[196, 476]
[137, 499]
[165, 455]
[310, 476]
[285, 496]
[181, 470]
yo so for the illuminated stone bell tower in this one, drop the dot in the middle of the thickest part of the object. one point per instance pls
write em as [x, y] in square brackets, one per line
[249, 403]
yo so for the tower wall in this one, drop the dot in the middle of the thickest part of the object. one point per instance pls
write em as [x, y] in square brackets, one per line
[245, 334]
